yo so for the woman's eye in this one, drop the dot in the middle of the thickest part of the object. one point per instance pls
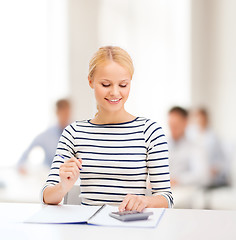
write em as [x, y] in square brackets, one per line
[105, 85]
[123, 85]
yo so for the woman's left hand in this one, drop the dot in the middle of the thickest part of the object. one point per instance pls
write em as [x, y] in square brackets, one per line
[133, 202]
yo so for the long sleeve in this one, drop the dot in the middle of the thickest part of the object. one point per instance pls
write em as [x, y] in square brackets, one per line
[47, 141]
[116, 160]
[65, 150]
[158, 161]
[25, 155]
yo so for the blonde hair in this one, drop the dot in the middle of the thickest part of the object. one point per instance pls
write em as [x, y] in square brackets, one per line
[111, 53]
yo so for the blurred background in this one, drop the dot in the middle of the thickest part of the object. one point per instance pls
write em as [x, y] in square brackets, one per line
[184, 54]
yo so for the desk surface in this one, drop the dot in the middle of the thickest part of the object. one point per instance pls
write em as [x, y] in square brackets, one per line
[176, 224]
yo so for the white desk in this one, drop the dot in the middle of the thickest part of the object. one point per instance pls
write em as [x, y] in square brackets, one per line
[175, 224]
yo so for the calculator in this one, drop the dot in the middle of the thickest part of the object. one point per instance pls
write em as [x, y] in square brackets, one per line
[130, 215]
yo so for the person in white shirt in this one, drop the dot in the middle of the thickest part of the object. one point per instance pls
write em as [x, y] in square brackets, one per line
[47, 141]
[199, 130]
[188, 164]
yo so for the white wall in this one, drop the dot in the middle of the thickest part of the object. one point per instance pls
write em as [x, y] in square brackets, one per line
[83, 42]
[157, 36]
[33, 60]
[213, 62]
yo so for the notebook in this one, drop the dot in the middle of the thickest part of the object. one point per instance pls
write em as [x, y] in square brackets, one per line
[92, 215]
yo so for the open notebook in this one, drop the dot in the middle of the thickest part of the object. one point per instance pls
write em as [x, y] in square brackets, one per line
[93, 215]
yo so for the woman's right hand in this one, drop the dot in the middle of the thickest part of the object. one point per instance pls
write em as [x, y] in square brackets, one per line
[69, 173]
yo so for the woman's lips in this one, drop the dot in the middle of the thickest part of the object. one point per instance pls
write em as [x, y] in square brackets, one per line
[113, 101]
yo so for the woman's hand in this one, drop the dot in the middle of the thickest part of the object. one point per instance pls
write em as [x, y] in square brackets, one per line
[69, 173]
[133, 202]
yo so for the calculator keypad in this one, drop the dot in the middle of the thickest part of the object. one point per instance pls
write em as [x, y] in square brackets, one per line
[126, 213]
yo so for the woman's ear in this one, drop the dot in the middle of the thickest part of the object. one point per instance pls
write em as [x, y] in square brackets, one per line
[90, 82]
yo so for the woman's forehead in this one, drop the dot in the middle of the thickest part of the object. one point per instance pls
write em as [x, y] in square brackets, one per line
[112, 70]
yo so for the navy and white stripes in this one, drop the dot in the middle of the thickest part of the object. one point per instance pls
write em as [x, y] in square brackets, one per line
[116, 159]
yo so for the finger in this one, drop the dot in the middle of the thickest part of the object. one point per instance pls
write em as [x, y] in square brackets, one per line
[141, 207]
[68, 167]
[70, 164]
[73, 159]
[74, 170]
[131, 203]
[71, 169]
[122, 206]
[74, 162]
[136, 204]
[143, 204]
[80, 166]
[78, 162]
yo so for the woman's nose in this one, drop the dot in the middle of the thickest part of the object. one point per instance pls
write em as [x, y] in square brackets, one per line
[114, 91]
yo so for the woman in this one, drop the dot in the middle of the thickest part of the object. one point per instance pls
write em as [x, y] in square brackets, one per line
[114, 152]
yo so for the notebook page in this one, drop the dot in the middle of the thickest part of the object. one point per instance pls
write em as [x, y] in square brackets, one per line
[102, 218]
[63, 214]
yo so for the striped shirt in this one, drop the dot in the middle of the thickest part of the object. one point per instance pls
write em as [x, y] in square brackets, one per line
[116, 160]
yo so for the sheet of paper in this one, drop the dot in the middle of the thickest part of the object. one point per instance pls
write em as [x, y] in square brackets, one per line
[103, 218]
[63, 214]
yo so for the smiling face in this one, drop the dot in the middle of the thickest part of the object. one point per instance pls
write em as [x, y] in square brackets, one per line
[111, 84]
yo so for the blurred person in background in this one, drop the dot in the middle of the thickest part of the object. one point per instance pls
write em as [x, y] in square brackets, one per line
[48, 139]
[199, 130]
[188, 165]
[187, 160]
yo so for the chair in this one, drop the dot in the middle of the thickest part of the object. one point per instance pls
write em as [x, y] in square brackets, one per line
[72, 197]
